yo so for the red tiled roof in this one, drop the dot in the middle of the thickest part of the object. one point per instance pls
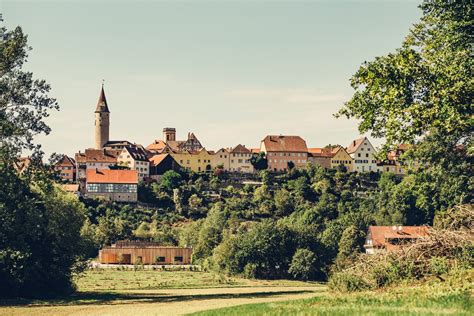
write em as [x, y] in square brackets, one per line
[66, 161]
[240, 149]
[321, 152]
[255, 150]
[157, 145]
[157, 159]
[111, 176]
[380, 234]
[354, 145]
[98, 155]
[282, 143]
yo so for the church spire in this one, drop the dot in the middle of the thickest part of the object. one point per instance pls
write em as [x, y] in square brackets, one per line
[102, 103]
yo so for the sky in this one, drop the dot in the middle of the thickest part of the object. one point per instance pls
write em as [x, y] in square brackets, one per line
[229, 71]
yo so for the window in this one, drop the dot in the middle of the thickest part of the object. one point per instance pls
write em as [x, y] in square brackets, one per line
[367, 155]
[358, 155]
[160, 259]
[178, 259]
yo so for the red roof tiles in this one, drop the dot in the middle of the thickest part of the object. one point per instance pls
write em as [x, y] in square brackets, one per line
[112, 176]
[381, 235]
[284, 143]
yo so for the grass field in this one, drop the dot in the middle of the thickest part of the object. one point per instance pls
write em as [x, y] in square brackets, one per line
[420, 300]
[106, 280]
[149, 292]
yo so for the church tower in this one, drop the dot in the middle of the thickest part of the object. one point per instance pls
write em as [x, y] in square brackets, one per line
[102, 122]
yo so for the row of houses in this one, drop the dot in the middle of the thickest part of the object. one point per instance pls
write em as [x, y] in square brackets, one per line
[117, 166]
[281, 152]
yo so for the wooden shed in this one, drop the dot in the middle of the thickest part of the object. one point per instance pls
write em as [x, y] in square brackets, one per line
[140, 252]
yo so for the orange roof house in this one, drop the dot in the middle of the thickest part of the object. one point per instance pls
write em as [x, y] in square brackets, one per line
[282, 151]
[98, 156]
[112, 185]
[161, 163]
[281, 143]
[66, 168]
[170, 144]
[389, 238]
[111, 176]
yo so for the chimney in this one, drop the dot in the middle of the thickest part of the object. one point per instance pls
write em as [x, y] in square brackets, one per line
[354, 143]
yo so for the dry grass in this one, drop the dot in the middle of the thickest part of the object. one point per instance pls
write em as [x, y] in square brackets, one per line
[148, 292]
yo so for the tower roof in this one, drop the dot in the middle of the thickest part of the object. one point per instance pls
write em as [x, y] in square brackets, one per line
[102, 103]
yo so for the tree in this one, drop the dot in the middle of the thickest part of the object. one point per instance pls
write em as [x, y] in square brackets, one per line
[170, 180]
[283, 202]
[259, 162]
[25, 101]
[291, 165]
[302, 265]
[40, 238]
[424, 86]
[40, 226]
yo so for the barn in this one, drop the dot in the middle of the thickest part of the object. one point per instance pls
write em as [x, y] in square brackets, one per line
[142, 252]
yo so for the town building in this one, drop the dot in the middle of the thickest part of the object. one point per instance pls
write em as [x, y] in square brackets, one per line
[102, 121]
[320, 157]
[363, 154]
[281, 150]
[389, 238]
[117, 144]
[197, 161]
[240, 159]
[22, 164]
[66, 168]
[161, 163]
[395, 162]
[221, 158]
[169, 143]
[135, 158]
[112, 185]
[142, 252]
[339, 156]
[95, 159]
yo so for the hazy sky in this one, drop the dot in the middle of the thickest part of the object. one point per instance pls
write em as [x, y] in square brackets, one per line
[230, 71]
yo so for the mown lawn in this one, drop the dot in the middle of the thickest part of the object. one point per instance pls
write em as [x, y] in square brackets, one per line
[420, 300]
[117, 280]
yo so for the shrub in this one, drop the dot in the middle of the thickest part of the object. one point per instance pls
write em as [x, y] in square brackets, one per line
[302, 264]
[441, 252]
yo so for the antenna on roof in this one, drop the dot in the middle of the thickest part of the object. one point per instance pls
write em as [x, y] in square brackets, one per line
[103, 81]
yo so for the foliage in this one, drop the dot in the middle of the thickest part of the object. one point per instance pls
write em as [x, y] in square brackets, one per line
[40, 243]
[259, 162]
[302, 264]
[423, 86]
[443, 254]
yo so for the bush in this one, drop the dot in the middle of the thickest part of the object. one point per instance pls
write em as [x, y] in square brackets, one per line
[441, 252]
[302, 264]
[40, 246]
